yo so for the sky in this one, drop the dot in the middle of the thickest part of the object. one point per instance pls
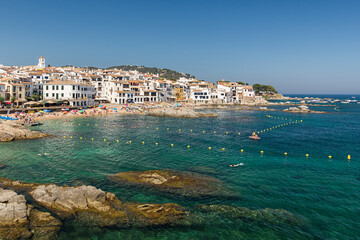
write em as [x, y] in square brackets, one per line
[298, 46]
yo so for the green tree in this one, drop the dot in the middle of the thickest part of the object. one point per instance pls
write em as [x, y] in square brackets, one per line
[13, 98]
[264, 88]
[2, 99]
[35, 97]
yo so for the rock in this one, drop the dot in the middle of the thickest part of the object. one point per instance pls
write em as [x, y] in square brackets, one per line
[10, 131]
[155, 214]
[90, 206]
[43, 225]
[180, 183]
[180, 113]
[17, 186]
[2, 166]
[13, 216]
[272, 216]
[301, 109]
[65, 201]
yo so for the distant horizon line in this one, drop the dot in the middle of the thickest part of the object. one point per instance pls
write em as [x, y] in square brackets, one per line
[354, 94]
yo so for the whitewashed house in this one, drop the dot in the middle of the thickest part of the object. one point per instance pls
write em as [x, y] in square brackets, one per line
[77, 94]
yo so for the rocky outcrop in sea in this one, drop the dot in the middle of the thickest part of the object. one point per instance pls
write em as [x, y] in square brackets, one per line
[182, 184]
[10, 131]
[37, 211]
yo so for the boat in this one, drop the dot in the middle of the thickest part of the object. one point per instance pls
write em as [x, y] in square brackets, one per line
[32, 124]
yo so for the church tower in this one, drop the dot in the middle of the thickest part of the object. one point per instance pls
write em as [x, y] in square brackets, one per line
[41, 64]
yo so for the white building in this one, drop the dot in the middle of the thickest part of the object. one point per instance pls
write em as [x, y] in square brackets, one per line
[78, 94]
[41, 64]
[2, 90]
[200, 95]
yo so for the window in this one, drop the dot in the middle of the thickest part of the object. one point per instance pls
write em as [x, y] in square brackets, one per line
[19, 95]
[74, 88]
[62, 95]
[47, 87]
[57, 87]
[47, 95]
[62, 87]
[53, 94]
[19, 88]
[73, 95]
[53, 87]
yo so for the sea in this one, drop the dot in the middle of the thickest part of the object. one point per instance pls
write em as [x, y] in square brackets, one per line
[322, 192]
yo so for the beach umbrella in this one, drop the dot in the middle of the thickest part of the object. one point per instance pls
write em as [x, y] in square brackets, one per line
[46, 111]
[74, 111]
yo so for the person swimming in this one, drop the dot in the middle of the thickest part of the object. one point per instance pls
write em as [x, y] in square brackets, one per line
[236, 165]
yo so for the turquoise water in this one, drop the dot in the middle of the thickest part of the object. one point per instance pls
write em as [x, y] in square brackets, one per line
[323, 192]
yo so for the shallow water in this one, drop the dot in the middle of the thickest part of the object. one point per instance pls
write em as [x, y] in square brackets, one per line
[323, 193]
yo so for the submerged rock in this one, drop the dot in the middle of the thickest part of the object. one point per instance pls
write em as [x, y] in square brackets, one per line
[180, 113]
[43, 225]
[180, 183]
[10, 131]
[267, 215]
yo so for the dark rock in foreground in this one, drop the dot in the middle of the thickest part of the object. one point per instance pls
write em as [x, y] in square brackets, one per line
[88, 206]
[179, 183]
[18, 220]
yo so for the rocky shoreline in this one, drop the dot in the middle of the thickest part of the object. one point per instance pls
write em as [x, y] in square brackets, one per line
[10, 131]
[179, 113]
[37, 211]
[301, 109]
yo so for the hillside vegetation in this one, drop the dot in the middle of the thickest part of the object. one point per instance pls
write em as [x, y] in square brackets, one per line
[264, 88]
[163, 72]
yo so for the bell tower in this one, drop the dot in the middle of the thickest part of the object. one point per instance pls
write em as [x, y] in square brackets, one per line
[41, 63]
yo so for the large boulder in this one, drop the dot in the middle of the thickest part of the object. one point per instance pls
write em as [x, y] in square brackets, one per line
[180, 183]
[13, 215]
[90, 206]
[10, 131]
[66, 201]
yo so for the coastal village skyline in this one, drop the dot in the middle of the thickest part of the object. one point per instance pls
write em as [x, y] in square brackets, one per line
[89, 86]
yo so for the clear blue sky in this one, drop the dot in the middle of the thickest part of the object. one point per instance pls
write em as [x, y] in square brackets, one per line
[300, 46]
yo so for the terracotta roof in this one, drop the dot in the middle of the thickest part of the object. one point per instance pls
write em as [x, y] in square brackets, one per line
[67, 83]
[124, 91]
